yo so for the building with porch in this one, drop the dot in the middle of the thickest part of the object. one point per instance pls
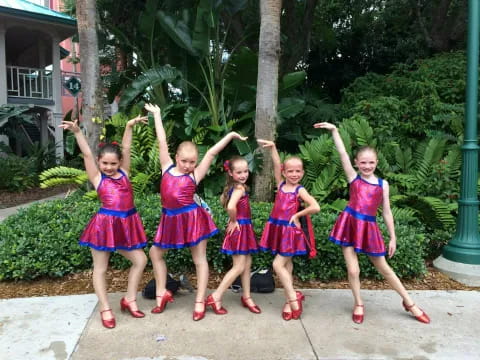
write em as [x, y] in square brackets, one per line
[31, 65]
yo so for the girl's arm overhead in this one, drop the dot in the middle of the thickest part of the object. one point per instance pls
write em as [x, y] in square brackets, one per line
[165, 159]
[277, 164]
[88, 157]
[127, 141]
[202, 168]
[344, 157]
[388, 218]
[237, 193]
[312, 206]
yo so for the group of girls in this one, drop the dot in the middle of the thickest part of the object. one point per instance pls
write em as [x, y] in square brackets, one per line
[184, 224]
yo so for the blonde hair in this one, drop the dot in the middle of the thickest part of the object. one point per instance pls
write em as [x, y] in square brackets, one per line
[187, 146]
[224, 197]
[365, 149]
[289, 158]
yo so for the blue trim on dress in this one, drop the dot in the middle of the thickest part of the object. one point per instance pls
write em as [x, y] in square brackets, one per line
[238, 252]
[244, 221]
[105, 248]
[180, 210]
[275, 252]
[186, 245]
[117, 213]
[360, 216]
[380, 181]
[191, 178]
[280, 222]
[357, 250]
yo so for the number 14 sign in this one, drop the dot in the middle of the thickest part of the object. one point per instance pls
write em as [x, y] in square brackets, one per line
[73, 85]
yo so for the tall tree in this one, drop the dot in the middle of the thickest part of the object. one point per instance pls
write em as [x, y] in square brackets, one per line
[267, 90]
[92, 89]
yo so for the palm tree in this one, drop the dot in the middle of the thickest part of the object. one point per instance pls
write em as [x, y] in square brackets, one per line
[92, 99]
[267, 90]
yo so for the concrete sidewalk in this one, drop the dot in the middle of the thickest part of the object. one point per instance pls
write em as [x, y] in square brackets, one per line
[69, 328]
[4, 213]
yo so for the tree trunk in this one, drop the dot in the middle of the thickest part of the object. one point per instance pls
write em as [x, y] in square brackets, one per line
[92, 90]
[267, 91]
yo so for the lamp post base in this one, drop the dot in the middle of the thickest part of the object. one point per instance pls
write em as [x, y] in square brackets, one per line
[466, 274]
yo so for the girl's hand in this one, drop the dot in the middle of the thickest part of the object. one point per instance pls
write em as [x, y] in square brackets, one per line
[324, 125]
[266, 143]
[236, 135]
[232, 227]
[294, 220]
[136, 120]
[392, 247]
[70, 125]
[154, 109]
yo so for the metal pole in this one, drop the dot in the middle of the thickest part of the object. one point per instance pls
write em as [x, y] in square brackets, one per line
[465, 245]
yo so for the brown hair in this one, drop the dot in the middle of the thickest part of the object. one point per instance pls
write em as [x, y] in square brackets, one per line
[365, 149]
[230, 183]
[111, 148]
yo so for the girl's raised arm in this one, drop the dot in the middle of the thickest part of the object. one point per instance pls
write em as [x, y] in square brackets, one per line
[344, 157]
[202, 168]
[165, 159]
[277, 164]
[127, 141]
[88, 158]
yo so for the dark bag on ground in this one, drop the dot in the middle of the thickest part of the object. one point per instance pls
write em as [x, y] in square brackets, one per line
[149, 292]
[261, 281]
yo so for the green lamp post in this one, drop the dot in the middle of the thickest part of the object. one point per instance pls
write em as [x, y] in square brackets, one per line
[464, 248]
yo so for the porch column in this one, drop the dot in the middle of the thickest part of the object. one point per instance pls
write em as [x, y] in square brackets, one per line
[3, 66]
[57, 96]
[3, 76]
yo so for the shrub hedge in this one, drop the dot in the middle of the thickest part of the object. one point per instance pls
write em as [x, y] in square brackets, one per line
[41, 240]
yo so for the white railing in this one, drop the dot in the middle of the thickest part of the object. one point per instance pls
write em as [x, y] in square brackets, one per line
[29, 82]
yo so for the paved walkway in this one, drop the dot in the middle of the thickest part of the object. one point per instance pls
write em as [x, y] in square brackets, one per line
[4, 213]
[68, 327]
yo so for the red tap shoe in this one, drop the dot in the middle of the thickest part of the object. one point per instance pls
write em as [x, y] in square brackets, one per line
[165, 298]
[300, 298]
[297, 313]
[423, 318]
[109, 323]
[358, 318]
[213, 304]
[253, 308]
[286, 315]
[125, 305]
[199, 315]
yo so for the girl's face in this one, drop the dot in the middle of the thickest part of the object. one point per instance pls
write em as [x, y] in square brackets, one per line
[366, 162]
[109, 163]
[186, 161]
[239, 171]
[293, 171]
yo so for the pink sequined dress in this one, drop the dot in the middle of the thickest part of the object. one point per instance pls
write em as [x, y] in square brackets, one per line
[183, 222]
[117, 225]
[280, 237]
[241, 242]
[356, 226]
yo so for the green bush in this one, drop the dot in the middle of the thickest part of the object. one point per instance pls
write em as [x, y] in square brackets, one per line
[42, 240]
[18, 173]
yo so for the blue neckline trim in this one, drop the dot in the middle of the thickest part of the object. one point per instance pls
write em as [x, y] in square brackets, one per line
[357, 250]
[173, 165]
[380, 181]
[297, 189]
[190, 244]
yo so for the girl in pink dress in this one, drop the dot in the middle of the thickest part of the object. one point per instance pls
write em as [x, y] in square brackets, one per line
[183, 222]
[239, 236]
[117, 225]
[283, 235]
[356, 229]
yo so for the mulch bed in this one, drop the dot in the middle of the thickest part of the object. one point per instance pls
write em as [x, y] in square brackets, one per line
[81, 283]
[10, 199]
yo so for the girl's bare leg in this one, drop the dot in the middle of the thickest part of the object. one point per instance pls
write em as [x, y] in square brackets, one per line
[100, 266]
[159, 270]
[139, 261]
[353, 271]
[199, 256]
[237, 269]
[282, 266]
